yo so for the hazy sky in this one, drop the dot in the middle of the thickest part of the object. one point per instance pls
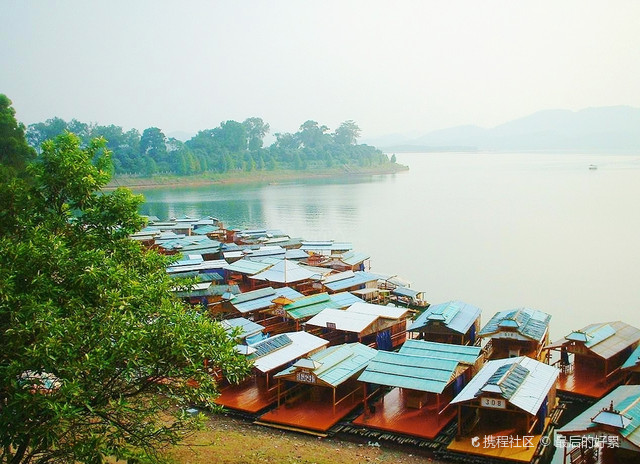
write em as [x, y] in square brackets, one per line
[392, 66]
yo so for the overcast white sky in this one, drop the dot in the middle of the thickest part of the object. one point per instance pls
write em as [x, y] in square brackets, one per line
[392, 66]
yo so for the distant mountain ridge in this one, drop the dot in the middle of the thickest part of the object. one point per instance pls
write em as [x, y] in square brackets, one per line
[603, 129]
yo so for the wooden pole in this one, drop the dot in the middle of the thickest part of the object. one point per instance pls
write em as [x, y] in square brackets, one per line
[334, 401]
[364, 395]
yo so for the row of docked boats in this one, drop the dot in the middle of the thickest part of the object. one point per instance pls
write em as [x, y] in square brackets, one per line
[338, 348]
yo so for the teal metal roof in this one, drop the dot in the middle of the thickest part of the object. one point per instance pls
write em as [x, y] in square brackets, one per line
[247, 327]
[420, 373]
[352, 258]
[526, 392]
[527, 322]
[344, 299]
[253, 295]
[632, 360]
[404, 291]
[309, 306]
[350, 280]
[599, 335]
[339, 363]
[626, 405]
[506, 380]
[456, 315]
[605, 339]
[458, 353]
[270, 345]
[245, 266]
[262, 298]
[205, 229]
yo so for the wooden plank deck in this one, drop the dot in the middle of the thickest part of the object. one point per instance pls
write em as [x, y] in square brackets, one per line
[392, 415]
[476, 444]
[251, 396]
[584, 382]
[316, 415]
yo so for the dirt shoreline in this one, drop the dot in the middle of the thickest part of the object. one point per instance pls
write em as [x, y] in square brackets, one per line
[230, 440]
[261, 177]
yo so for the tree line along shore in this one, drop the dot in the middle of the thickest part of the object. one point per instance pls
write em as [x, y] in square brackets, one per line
[231, 151]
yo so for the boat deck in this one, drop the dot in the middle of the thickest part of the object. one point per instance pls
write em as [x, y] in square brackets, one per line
[316, 415]
[391, 415]
[584, 382]
[489, 440]
[251, 396]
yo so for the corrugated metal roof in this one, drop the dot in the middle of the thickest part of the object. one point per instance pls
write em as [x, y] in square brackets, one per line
[358, 278]
[270, 345]
[530, 323]
[253, 295]
[506, 380]
[296, 253]
[344, 320]
[203, 266]
[301, 344]
[456, 315]
[344, 299]
[338, 363]
[245, 266]
[263, 298]
[284, 271]
[309, 306]
[326, 246]
[605, 339]
[205, 229]
[633, 360]
[420, 373]
[404, 291]
[626, 406]
[387, 312]
[246, 326]
[460, 353]
[531, 390]
[352, 258]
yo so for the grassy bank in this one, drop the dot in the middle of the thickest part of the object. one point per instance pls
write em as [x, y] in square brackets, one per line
[242, 177]
[228, 440]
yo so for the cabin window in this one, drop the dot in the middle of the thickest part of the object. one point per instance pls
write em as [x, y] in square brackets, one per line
[514, 353]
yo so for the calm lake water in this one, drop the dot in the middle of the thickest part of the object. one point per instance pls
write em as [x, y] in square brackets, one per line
[500, 231]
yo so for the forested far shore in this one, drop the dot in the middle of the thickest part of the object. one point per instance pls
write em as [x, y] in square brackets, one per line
[232, 147]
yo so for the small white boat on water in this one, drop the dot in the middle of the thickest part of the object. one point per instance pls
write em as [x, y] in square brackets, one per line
[593, 167]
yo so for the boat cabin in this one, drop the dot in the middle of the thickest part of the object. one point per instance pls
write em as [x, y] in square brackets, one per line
[383, 327]
[517, 332]
[606, 431]
[590, 359]
[419, 382]
[303, 309]
[269, 356]
[262, 306]
[324, 388]
[511, 398]
[453, 322]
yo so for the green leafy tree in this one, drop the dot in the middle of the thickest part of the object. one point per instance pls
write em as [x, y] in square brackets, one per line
[153, 143]
[347, 133]
[14, 150]
[97, 359]
[41, 131]
[255, 129]
[393, 158]
[312, 135]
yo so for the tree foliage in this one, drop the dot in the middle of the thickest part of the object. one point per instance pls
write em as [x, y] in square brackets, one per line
[97, 358]
[14, 150]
